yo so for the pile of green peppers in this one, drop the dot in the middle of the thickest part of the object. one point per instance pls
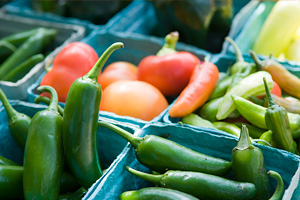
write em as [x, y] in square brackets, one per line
[21, 51]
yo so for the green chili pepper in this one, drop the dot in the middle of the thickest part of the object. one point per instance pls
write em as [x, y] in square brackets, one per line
[33, 45]
[43, 156]
[248, 165]
[160, 154]
[251, 85]
[196, 120]
[80, 123]
[228, 128]
[277, 120]
[151, 193]
[255, 114]
[277, 195]
[11, 182]
[6, 161]
[200, 185]
[46, 100]
[221, 88]
[22, 69]
[268, 137]
[6, 49]
[240, 63]
[18, 123]
[254, 131]
[20, 37]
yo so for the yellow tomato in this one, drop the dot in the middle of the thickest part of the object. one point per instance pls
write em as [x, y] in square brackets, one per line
[117, 71]
[133, 98]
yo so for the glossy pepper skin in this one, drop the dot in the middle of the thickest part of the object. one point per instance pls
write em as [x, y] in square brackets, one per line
[80, 123]
[201, 84]
[278, 194]
[248, 165]
[200, 185]
[168, 70]
[277, 121]
[72, 62]
[160, 154]
[6, 161]
[18, 123]
[151, 193]
[43, 156]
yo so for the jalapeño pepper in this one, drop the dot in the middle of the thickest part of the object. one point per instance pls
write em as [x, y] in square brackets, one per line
[277, 120]
[277, 195]
[200, 185]
[43, 155]
[160, 154]
[248, 165]
[80, 123]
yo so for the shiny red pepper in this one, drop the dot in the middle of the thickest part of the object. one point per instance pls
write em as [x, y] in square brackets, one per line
[195, 94]
[168, 70]
[72, 62]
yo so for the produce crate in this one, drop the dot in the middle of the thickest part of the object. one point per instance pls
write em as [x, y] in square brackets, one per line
[23, 8]
[13, 24]
[120, 180]
[110, 145]
[136, 47]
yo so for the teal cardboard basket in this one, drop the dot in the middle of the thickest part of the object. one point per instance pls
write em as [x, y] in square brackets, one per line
[120, 180]
[110, 145]
[135, 48]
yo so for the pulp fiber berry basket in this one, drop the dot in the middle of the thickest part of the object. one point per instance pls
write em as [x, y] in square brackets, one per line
[110, 145]
[135, 48]
[24, 8]
[120, 180]
[65, 34]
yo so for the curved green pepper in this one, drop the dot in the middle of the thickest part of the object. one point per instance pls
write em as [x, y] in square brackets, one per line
[196, 120]
[160, 154]
[268, 137]
[248, 165]
[18, 123]
[151, 193]
[277, 120]
[255, 114]
[46, 100]
[43, 156]
[6, 161]
[228, 128]
[277, 195]
[80, 123]
[221, 88]
[200, 185]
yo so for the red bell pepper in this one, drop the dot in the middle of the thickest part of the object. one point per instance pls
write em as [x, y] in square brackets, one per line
[195, 94]
[72, 62]
[168, 70]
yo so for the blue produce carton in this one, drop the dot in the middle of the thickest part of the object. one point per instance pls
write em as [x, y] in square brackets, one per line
[136, 47]
[110, 145]
[66, 33]
[120, 180]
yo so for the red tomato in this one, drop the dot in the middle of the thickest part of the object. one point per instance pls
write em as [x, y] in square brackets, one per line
[133, 98]
[117, 71]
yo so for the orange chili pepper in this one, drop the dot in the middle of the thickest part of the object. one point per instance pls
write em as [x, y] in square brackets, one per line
[202, 83]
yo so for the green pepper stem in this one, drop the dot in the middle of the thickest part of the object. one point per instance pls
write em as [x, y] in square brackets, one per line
[238, 53]
[270, 100]
[244, 140]
[8, 45]
[170, 43]
[53, 105]
[95, 71]
[134, 140]
[11, 112]
[46, 100]
[256, 60]
[277, 195]
[155, 179]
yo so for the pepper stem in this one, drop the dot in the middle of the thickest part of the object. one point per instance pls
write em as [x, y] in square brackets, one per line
[46, 101]
[244, 140]
[238, 53]
[11, 112]
[170, 43]
[256, 60]
[53, 105]
[270, 100]
[155, 179]
[280, 185]
[95, 71]
[134, 140]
